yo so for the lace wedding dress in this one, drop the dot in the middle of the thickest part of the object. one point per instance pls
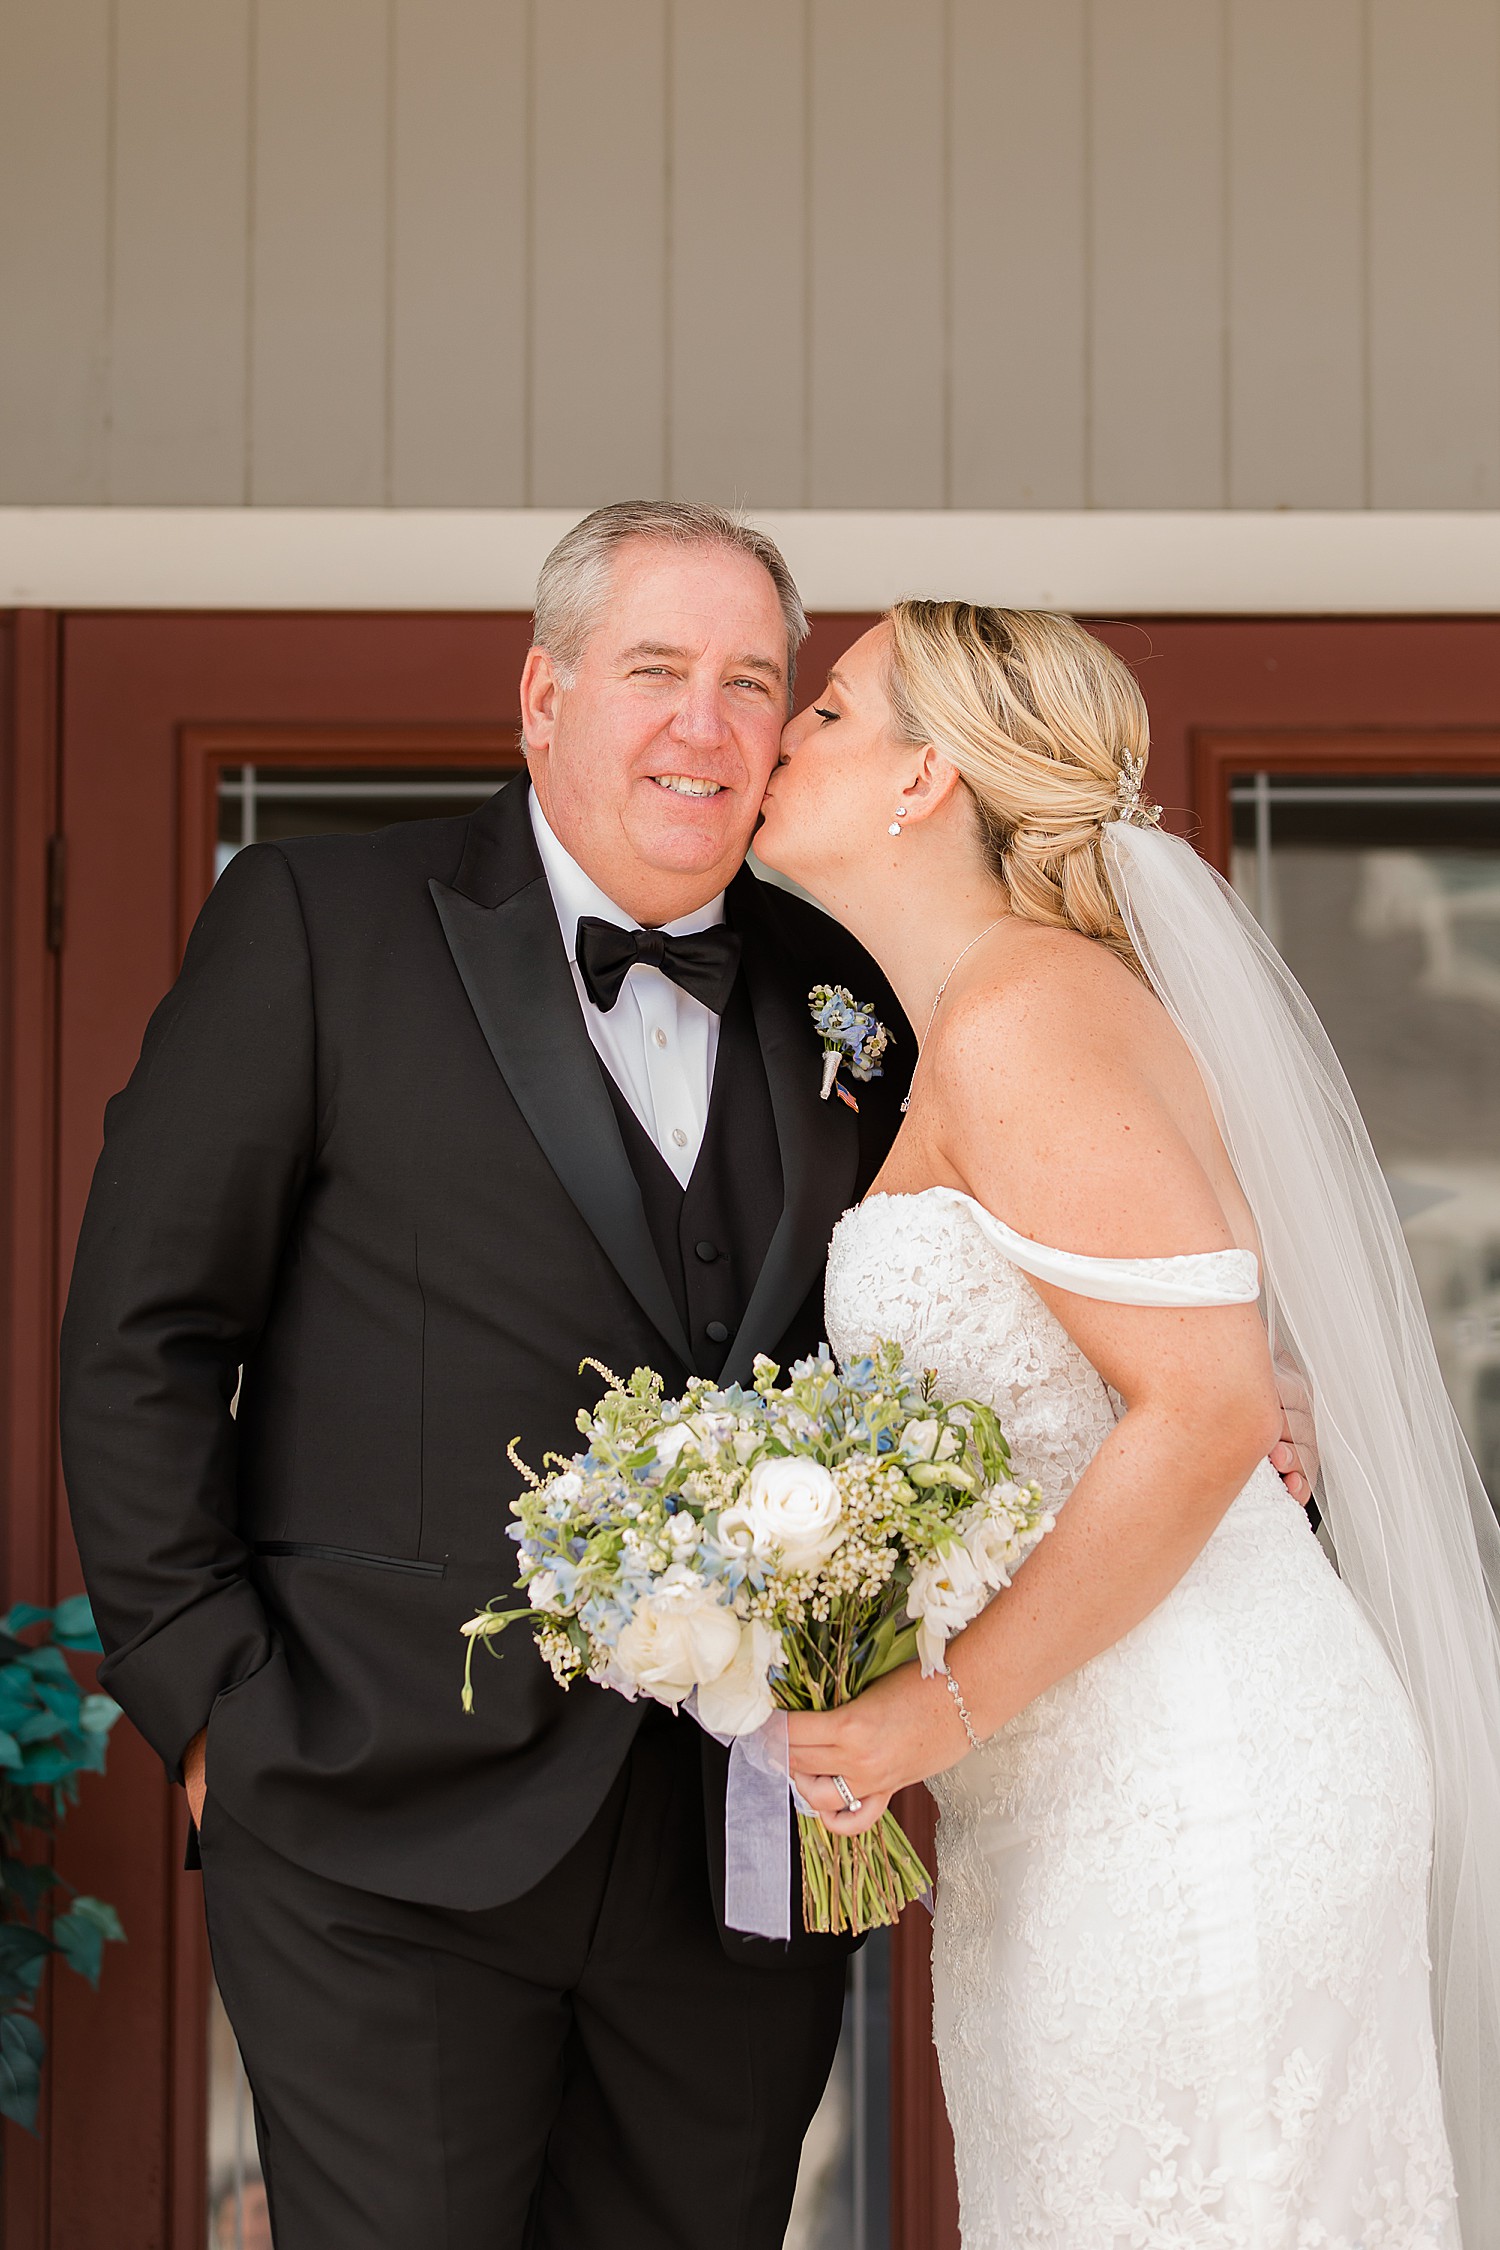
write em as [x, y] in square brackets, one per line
[1180, 1952]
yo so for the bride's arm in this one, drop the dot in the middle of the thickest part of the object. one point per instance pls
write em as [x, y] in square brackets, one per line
[1053, 1119]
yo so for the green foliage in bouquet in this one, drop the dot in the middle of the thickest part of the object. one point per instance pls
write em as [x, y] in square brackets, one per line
[51, 1731]
[783, 1547]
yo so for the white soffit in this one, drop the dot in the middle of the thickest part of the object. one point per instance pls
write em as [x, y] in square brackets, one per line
[1162, 563]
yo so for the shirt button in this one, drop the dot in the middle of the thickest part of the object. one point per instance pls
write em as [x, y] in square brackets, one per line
[660, 1037]
[707, 1251]
[716, 1332]
[679, 1137]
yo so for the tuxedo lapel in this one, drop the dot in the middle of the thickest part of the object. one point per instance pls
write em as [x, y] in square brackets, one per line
[501, 927]
[819, 1141]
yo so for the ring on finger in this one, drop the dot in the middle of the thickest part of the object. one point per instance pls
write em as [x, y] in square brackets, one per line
[851, 1802]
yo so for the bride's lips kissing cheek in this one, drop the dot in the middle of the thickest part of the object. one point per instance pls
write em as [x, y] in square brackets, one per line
[841, 773]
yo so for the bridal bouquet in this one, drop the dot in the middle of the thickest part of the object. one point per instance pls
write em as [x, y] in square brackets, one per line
[777, 1549]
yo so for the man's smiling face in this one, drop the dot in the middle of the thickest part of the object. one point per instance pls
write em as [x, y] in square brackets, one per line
[650, 760]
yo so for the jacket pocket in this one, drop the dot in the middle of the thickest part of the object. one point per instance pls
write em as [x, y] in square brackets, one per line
[310, 1551]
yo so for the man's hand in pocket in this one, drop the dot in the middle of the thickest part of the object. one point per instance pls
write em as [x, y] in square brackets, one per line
[194, 1777]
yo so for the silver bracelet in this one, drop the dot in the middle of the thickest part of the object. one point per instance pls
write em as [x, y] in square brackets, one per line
[957, 1694]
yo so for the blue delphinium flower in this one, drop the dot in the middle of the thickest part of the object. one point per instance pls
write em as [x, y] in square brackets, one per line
[852, 1035]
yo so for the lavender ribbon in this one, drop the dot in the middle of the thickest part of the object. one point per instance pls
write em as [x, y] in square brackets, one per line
[758, 1827]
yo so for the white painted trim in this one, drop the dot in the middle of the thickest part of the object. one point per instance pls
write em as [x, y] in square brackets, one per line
[1219, 563]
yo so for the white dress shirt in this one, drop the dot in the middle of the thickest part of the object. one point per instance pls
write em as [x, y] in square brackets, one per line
[657, 1042]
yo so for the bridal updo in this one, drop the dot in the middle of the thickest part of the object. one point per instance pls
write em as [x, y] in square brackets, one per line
[1049, 731]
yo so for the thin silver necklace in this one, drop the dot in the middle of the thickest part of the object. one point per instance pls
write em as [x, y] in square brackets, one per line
[942, 988]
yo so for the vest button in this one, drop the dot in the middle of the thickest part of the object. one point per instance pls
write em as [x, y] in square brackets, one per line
[707, 1251]
[716, 1332]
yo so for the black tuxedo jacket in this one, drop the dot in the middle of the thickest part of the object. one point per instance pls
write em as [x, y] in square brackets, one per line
[369, 1157]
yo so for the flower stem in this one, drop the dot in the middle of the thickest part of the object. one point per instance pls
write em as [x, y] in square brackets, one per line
[854, 1883]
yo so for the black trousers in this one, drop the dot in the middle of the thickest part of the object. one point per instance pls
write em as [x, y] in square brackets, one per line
[583, 2069]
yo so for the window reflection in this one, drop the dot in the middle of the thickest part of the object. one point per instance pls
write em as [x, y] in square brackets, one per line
[261, 804]
[1384, 896]
[844, 2185]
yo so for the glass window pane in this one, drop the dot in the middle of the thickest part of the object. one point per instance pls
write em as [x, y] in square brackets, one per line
[1384, 896]
[237, 2215]
[259, 804]
[844, 2185]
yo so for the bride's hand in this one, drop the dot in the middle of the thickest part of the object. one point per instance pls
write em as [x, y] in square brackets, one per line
[899, 1731]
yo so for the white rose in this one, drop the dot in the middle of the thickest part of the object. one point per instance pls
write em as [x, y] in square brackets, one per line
[947, 1593]
[671, 1441]
[541, 1589]
[679, 1638]
[569, 1486]
[792, 1508]
[682, 1531]
[740, 1700]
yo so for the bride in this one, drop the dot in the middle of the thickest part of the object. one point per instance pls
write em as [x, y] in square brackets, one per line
[1220, 1827]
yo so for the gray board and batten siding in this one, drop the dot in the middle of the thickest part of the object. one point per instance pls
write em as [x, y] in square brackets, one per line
[980, 254]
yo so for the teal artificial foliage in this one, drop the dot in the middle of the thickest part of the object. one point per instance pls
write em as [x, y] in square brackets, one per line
[51, 1731]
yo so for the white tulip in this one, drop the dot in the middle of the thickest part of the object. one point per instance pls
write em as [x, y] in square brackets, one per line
[792, 1509]
[739, 1700]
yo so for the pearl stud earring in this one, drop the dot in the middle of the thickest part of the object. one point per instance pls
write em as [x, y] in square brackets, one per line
[895, 827]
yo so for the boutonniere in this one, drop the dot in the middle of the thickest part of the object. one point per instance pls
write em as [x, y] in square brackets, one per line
[851, 1034]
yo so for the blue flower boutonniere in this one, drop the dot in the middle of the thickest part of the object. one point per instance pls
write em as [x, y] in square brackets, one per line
[851, 1034]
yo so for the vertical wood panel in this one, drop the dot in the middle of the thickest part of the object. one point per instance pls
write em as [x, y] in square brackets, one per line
[318, 346]
[1019, 224]
[54, 291]
[1156, 358]
[181, 244]
[1296, 235]
[878, 343]
[458, 360]
[737, 239]
[1435, 254]
[599, 253]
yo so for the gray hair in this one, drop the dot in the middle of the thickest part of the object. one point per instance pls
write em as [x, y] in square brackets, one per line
[573, 584]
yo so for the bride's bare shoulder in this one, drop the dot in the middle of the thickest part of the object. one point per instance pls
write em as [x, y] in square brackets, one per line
[1050, 1002]
[1064, 1097]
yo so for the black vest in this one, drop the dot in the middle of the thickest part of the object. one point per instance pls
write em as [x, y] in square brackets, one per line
[712, 1236]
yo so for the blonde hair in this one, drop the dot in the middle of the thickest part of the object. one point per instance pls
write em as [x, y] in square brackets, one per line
[1049, 731]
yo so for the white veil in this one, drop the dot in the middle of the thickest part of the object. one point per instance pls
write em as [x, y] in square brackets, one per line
[1417, 1541]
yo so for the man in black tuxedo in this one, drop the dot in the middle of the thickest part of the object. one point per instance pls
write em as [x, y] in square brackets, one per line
[429, 1116]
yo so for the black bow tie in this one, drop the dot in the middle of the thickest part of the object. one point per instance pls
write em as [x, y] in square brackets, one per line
[704, 964]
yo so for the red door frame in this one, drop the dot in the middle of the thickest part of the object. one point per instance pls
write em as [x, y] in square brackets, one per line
[123, 2125]
[29, 811]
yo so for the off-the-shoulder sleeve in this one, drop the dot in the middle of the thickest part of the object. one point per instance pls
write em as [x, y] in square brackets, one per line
[1207, 1277]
